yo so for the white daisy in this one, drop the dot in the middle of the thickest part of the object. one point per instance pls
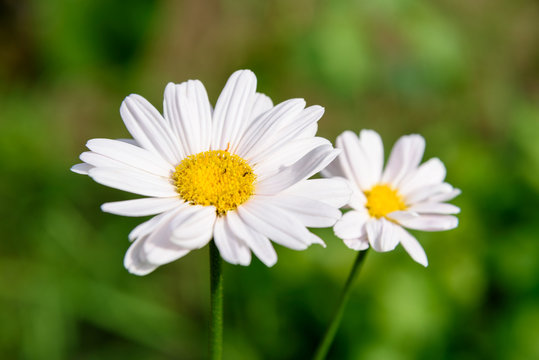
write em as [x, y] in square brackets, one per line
[236, 174]
[405, 194]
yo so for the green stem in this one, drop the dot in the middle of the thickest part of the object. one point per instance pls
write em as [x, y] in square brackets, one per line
[216, 303]
[326, 342]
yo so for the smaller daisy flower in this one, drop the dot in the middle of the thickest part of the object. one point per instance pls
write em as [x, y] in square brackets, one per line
[405, 194]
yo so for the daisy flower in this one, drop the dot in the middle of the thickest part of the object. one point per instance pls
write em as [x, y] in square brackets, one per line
[237, 173]
[404, 194]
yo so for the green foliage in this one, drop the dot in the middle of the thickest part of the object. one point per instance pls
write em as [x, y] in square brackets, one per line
[463, 74]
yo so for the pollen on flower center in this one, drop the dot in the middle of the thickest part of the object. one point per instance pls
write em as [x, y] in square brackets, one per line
[382, 199]
[215, 177]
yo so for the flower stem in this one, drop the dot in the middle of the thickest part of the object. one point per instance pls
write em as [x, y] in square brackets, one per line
[325, 344]
[216, 303]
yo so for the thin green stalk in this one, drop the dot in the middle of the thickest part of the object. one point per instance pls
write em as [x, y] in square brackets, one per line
[325, 344]
[216, 303]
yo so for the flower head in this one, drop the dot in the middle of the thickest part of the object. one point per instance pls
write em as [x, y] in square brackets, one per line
[404, 194]
[237, 173]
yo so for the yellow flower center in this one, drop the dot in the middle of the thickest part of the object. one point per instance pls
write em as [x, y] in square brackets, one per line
[215, 177]
[382, 199]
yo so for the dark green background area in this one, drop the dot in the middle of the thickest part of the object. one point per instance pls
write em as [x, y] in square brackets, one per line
[464, 74]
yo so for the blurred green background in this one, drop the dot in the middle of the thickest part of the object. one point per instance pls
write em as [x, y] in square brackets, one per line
[464, 74]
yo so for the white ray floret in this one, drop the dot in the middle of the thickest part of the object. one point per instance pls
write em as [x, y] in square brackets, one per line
[237, 174]
[404, 194]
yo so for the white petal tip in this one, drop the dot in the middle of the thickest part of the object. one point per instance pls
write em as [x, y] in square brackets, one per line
[368, 132]
[318, 241]
[424, 262]
[245, 263]
[416, 137]
[244, 73]
[137, 272]
[347, 133]
[421, 258]
[81, 168]
[356, 245]
[133, 269]
[170, 86]
[452, 224]
[317, 108]
[270, 263]
[106, 208]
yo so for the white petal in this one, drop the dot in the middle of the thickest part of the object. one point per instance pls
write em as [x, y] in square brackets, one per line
[286, 156]
[233, 108]
[258, 243]
[153, 248]
[424, 222]
[131, 155]
[129, 141]
[358, 199]
[193, 226]
[135, 260]
[335, 192]
[311, 213]
[427, 193]
[158, 248]
[382, 234]
[357, 244]
[413, 247]
[372, 146]
[334, 169]
[98, 160]
[163, 251]
[305, 122]
[261, 133]
[445, 196]
[82, 168]
[310, 131]
[147, 227]
[231, 248]
[302, 169]
[149, 128]
[354, 161]
[133, 181]
[434, 208]
[288, 132]
[261, 104]
[429, 173]
[188, 111]
[276, 224]
[141, 207]
[352, 225]
[405, 157]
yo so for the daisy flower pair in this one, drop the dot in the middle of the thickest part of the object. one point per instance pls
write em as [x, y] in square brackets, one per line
[239, 174]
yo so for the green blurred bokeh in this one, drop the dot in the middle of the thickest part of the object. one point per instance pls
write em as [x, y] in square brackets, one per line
[464, 74]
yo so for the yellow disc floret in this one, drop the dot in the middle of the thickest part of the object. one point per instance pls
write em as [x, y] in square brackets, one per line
[215, 177]
[382, 199]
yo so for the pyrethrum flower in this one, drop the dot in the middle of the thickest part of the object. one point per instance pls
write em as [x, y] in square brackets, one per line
[405, 194]
[237, 173]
